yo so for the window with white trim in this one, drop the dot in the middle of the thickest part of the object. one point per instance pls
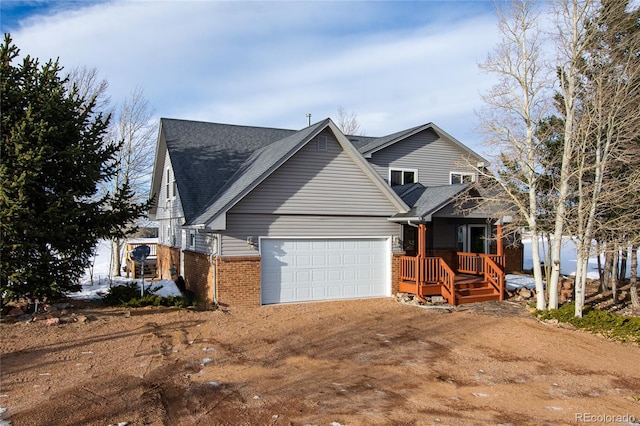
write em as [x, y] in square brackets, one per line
[402, 176]
[192, 239]
[461, 177]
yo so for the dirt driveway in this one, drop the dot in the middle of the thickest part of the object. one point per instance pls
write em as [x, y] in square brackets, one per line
[353, 363]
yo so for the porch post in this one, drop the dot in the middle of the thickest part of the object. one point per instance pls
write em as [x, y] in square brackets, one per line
[499, 242]
[422, 240]
[422, 253]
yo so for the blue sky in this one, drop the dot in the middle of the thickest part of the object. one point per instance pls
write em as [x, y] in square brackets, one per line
[395, 64]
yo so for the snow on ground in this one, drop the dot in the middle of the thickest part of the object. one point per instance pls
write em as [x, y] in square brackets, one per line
[102, 280]
[568, 258]
[514, 282]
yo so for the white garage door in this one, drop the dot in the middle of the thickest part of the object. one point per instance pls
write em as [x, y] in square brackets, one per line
[298, 270]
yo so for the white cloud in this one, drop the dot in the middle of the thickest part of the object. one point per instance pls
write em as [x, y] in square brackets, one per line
[269, 63]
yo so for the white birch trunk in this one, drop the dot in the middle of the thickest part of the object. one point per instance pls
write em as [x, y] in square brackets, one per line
[537, 273]
[116, 255]
[633, 279]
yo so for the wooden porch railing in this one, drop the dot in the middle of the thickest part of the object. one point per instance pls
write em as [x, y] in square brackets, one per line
[421, 276]
[409, 268]
[412, 270]
[493, 274]
[432, 270]
[473, 263]
[447, 277]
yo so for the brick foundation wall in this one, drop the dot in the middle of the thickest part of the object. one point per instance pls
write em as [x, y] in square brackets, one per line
[198, 275]
[239, 280]
[395, 272]
[167, 257]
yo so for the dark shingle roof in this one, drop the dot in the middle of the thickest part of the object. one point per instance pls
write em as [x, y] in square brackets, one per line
[425, 201]
[378, 142]
[360, 141]
[253, 170]
[205, 155]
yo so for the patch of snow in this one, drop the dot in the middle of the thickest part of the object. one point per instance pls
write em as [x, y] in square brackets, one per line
[96, 285]
[568, 258]
[514, 282]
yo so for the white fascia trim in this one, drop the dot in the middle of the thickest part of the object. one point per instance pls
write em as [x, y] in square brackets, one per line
[161, 152]
[420, 219]
[405, 219]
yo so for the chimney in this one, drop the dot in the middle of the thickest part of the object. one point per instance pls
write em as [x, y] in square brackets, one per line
[308, 119]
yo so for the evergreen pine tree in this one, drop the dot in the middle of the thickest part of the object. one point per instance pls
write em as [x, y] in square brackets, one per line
[53, 155]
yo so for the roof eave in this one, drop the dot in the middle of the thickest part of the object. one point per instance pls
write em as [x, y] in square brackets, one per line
[156, 175]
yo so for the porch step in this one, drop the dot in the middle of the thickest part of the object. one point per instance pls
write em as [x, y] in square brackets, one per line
[476, 298]
[471, 285]
[476, 291]
[480, 292]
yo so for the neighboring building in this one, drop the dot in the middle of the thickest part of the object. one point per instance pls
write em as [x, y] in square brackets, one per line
[251, 215]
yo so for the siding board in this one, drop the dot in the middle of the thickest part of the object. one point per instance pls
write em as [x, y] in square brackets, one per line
[317, 182]
[433, 156]
[168, 210]
[241, 226]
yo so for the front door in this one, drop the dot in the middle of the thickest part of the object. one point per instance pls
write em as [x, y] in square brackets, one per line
[472, 238]
[477, 239]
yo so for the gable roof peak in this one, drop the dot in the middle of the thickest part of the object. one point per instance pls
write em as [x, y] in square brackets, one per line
[385, 141]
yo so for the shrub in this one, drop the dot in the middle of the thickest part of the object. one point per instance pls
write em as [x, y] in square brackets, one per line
[128, 295]
[626, 329]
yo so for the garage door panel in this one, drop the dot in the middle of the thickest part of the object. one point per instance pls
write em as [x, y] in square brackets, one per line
[316, 269]
[319, 260]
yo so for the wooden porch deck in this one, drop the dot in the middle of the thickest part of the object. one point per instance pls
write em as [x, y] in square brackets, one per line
[478, 278]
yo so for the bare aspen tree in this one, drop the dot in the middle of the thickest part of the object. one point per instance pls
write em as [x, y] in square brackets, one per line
[606, 121]
[135, 129]
[348, 122]
[514, 108]
[571, 44]
[90, 86]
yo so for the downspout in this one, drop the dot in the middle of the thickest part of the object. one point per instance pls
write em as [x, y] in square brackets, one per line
[214, 270]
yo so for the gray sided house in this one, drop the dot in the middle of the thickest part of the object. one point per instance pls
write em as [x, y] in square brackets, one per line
[252, 216]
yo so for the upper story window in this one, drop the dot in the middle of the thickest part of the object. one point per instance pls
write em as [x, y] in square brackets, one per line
[461, 177]
[402, 176]
[322, 143]
[168, 183]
